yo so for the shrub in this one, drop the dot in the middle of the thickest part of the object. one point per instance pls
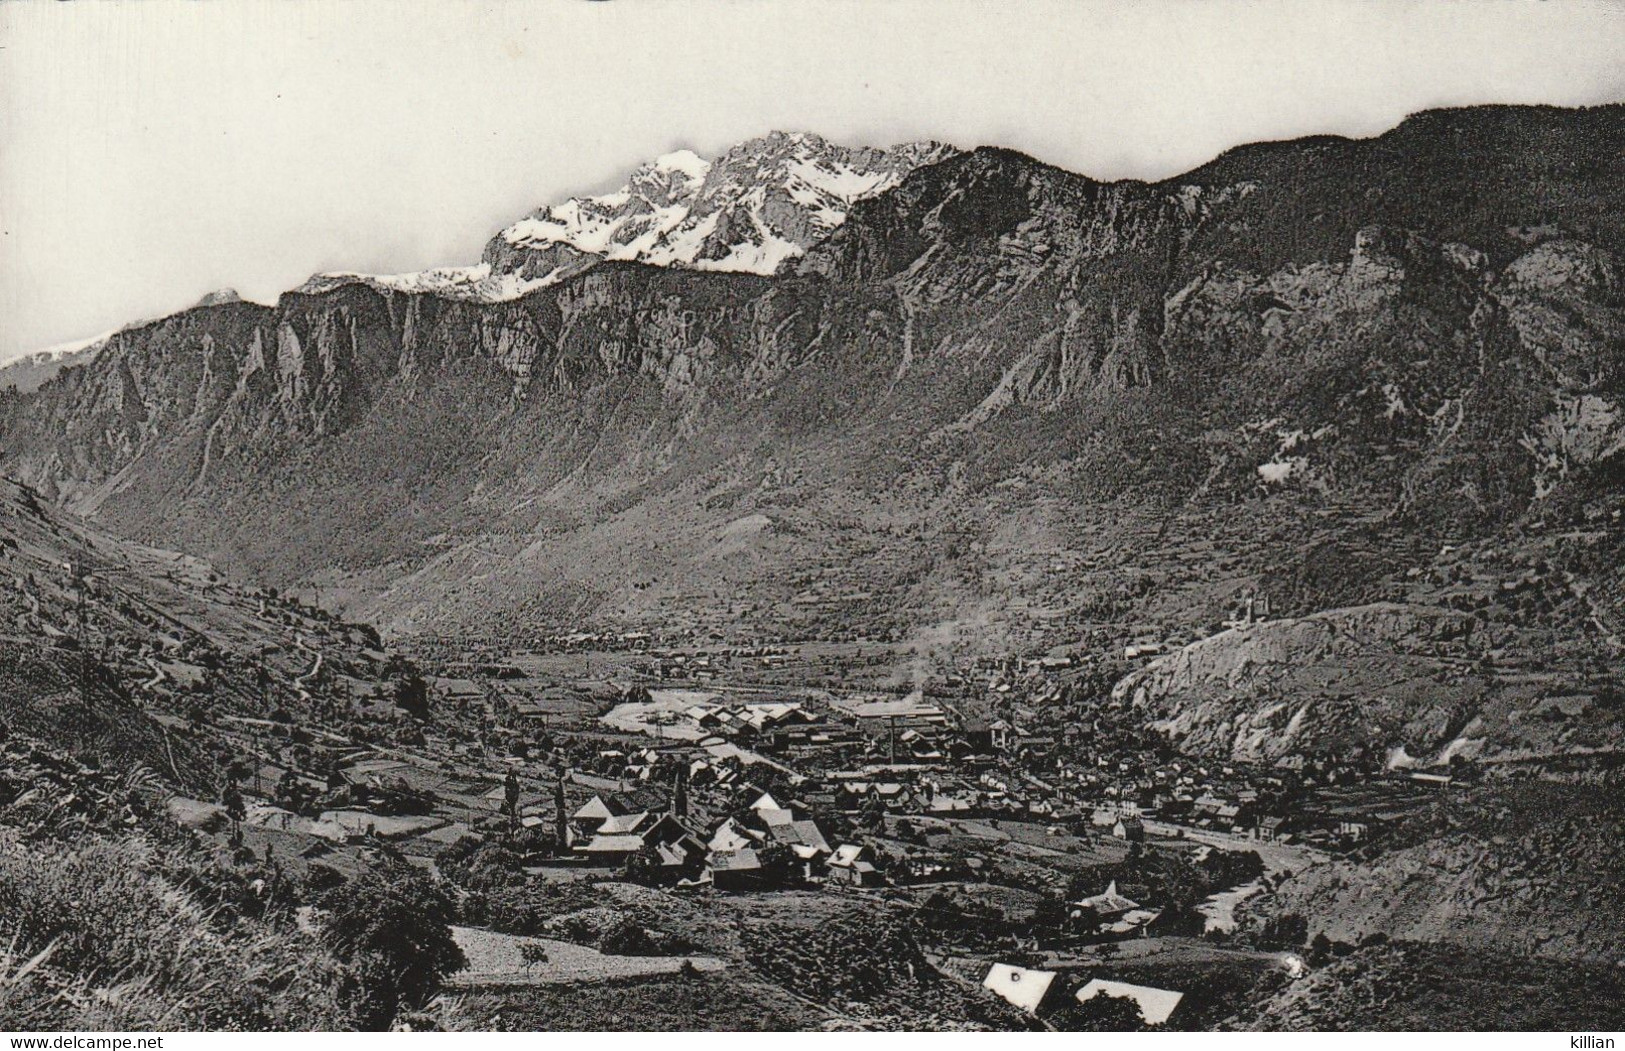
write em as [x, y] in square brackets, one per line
[1099, 1014]
[627, 938]
[391, 923]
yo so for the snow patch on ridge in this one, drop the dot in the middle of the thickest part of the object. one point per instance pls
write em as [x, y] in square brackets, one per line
[453, 282]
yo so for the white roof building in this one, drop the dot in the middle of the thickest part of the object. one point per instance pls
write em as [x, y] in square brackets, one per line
[730, 837]
[1024, 988]
[1156, 1005]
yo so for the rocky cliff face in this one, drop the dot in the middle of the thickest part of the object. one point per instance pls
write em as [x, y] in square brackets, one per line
[1408, 685]
[1528, 870]
[996, 393]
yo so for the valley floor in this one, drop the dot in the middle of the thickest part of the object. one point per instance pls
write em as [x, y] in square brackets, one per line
[636, 832]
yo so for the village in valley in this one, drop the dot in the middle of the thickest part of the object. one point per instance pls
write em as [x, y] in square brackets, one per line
[1054, 850]
[860, 833]
[1005, 521]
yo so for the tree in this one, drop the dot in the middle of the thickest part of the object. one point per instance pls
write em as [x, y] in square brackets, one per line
[412, 695]
[872, 813]
[1179, 920]
[1052, 913]
[391, 925]
[1286, 931]
[643, 867]
[510, 802]
[778, 864]
[236, 809]
[1101, 1013]
[533, 953]
[626, 938]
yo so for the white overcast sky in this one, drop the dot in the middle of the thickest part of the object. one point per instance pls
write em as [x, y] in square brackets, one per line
[152, 151]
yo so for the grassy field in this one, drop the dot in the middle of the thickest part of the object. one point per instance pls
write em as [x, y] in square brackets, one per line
[498, 960]
[715, 1003]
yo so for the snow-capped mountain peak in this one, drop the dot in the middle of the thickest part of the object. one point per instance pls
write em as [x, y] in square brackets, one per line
[750, 209]
[685, 163]
[760, 203]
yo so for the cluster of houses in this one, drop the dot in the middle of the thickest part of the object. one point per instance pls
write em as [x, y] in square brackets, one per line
[449, 649]
[907, 731]
[858, 757]
[1120, 790]
[704, 665]
[752, 721]
[764, 845]
[743, 848]
[923, 769]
